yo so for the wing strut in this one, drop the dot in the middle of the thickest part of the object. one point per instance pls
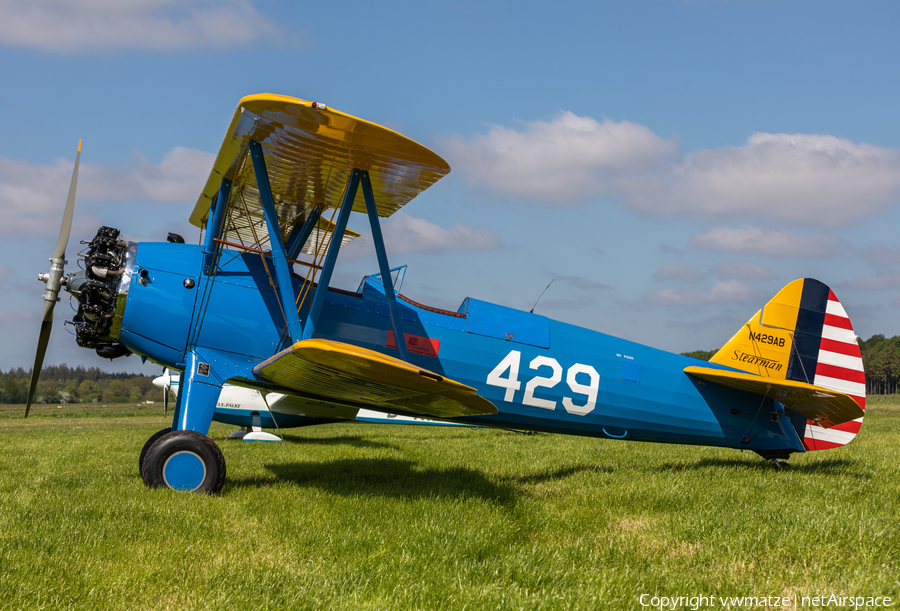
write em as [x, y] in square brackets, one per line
[299, 235]
[383, 264]
[358, 178]
[214, 223]
[337, 235]
[279, 257]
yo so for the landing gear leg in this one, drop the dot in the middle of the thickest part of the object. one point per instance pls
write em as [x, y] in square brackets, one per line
[239, 434]
[779, 464]
[184, 458]
[778, 457]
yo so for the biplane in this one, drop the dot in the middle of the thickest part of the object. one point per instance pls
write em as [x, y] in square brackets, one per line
[243, 308]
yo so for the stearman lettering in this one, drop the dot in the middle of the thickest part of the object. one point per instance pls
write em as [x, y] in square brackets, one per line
[752, 359]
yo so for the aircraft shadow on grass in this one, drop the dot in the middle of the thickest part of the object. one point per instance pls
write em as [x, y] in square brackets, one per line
[835, 466]
[356, 441]
[562, 473]
[390, 477]
[399, 478]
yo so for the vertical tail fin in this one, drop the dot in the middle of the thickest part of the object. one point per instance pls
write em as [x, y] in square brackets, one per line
[803, 334]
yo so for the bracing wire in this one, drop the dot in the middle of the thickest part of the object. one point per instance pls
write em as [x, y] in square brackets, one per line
[272, 415]
[262, 257]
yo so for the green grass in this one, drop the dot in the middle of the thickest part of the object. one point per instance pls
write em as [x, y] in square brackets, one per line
[883, 400]
[391, 517]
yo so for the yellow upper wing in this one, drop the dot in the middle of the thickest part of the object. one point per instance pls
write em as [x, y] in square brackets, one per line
[310, 151]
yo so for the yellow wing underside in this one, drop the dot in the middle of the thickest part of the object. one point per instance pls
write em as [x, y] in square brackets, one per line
[310, 152]
[825, 407]
[346, 374]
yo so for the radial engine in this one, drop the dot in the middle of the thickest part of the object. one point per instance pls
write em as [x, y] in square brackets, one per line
[101, 290]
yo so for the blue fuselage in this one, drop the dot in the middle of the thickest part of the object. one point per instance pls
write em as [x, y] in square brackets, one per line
[541, 374]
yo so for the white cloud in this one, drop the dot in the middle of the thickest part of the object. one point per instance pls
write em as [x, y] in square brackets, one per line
[744, 270]
[178, 177]
[18, 318]
[772, 242]
[156, 25]
[559, 161]
[680, 272]
[404, 233]
[802, 179]
[574, 303]
[806, 180]
[580, 282]
[722, 291]
[890, 280]
[882, 255]
[30, 194]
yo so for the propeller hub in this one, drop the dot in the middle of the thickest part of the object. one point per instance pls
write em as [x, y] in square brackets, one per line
[53, 279]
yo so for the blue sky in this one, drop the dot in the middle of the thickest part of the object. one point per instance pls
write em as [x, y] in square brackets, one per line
[669, 164]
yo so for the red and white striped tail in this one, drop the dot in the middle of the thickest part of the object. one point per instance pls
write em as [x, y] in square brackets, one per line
[840, 368]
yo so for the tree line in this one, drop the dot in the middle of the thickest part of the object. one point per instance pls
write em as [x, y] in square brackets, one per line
[881, 359]
[62, 384]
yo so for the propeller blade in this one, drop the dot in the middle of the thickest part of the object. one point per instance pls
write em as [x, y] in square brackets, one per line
[166, 400]
[54, 281]
[43, 339]
[66, 226]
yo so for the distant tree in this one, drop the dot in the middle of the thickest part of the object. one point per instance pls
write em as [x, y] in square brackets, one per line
[86, 393]
[703, 355]
[13, 390]
[60, 383]
[881, 360]
[113, 392]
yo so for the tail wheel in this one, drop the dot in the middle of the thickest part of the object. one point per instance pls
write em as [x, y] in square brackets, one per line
[184, 460]
[147, 445]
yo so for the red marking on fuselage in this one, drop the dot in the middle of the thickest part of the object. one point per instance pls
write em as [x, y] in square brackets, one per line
[417, 344]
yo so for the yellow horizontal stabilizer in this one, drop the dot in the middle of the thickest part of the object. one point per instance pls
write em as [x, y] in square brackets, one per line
[818, 404]
[341, 372]
[310, 152]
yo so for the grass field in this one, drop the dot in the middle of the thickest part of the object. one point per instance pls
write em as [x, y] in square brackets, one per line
[392, 517]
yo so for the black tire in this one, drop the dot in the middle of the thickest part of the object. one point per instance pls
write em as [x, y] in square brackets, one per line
[184, 460]
[147, 445]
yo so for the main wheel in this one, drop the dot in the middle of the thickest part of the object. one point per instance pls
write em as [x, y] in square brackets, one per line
[147, 445]
[184, 460]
